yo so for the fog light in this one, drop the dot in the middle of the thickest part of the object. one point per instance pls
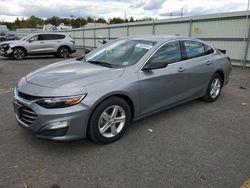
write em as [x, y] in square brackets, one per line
[58, 125]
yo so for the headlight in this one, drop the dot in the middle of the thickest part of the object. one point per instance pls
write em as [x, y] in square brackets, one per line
[60, 102]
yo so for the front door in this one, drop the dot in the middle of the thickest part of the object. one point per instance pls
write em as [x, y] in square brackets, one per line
[164, 86]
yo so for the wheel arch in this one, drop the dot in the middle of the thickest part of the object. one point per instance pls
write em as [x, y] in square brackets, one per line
[26, 52]
[221, 73]
[121, 95]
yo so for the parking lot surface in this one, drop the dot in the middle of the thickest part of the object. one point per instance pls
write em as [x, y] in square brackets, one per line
[193, 145]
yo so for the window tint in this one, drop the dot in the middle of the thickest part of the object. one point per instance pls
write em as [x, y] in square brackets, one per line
[53, 37]
[208, 49]
[194, 49]
[170, 52]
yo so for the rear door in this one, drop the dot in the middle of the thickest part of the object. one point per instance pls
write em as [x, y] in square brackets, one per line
[54, 41]
[49, 43]
[198, 66]
[164, 86]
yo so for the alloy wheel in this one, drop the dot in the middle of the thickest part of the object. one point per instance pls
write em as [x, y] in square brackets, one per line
[215, 88]
[112, 121]
[64, 52]
[18, 54]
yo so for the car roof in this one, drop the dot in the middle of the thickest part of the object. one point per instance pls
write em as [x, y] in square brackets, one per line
[161, 38]
[45, 33]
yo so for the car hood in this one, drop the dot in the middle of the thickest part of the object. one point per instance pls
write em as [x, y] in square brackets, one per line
[10, 42]
[72, 73]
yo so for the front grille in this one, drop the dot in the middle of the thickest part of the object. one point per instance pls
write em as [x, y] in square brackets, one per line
[26, 115]
[27, 96]
[54, 132]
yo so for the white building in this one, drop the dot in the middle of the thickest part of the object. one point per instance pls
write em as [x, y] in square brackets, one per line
[62, 26]
[49, 27]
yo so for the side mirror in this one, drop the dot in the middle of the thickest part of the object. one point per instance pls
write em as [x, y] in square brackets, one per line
[103, 41]
[31, 39]
[155, 64]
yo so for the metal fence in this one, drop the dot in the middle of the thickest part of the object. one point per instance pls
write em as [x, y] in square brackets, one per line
[229, 31]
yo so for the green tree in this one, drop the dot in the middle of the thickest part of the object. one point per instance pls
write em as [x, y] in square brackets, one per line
[116, 20]
[101, 20]
[131, 19]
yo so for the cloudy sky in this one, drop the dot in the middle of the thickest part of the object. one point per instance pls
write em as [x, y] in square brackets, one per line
[10, 9]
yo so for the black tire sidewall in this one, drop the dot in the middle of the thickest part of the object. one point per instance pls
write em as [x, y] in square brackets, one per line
[208, 96]
[93, 131]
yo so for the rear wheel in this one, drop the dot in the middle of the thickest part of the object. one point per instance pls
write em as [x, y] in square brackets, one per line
[213, 89]
[109, 120]
[19, 53]
[63, 52]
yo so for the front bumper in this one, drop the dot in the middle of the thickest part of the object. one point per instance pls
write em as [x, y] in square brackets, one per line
[62, 124]
[5, 53]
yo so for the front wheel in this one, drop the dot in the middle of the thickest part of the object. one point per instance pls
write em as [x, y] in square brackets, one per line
[109, 120]
[18, 53]
[213, 89]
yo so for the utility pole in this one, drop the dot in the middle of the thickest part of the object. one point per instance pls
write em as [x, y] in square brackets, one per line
[125, 12]
[244, 56]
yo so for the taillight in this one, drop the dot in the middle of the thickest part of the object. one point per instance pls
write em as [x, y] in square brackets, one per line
[72, 41]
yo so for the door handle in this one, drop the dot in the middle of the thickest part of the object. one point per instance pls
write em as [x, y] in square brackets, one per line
[209, 62]
[181, 69]
[41, 42]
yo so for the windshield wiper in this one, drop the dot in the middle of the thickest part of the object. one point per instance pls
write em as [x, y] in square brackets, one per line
[100, 63]
[81, 58]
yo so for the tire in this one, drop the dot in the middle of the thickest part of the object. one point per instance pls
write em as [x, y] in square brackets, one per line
[103, 128]
[63, 52]
[213, 89]
[19, 53]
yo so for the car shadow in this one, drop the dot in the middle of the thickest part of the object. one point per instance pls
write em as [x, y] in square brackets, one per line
[165, 113]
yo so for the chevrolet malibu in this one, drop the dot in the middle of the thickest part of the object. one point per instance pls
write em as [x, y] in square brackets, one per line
[99, 95]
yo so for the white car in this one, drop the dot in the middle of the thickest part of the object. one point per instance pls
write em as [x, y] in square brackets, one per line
[59, 44]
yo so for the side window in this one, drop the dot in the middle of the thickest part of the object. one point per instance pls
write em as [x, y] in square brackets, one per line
[34, 38]
[54, 37]
[208, 49]
[60, 36]
[41, 37]
[47, 37]
[170, 52]
[194, 49]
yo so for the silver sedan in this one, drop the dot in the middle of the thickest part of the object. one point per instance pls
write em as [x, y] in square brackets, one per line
[126, 79]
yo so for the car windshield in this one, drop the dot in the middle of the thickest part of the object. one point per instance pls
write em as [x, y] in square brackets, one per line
[121, 53]
[24, 38]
